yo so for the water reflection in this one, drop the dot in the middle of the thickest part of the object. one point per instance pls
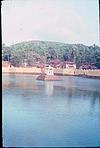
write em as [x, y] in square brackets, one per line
[54, 113]
[65, 89]
[49, 87]
[95, 100]
[21, 83]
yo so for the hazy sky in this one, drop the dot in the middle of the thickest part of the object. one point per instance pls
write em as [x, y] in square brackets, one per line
[68, 21]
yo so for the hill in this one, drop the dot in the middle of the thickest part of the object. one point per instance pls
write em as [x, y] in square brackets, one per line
[42, 51]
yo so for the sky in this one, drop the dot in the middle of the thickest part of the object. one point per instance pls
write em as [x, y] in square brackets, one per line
[66, 21]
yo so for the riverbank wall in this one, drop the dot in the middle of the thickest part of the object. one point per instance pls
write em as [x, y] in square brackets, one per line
[87, 73]
[21, 70]
[59, 71]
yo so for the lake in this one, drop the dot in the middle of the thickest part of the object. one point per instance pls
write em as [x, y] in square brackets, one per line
[50, 113]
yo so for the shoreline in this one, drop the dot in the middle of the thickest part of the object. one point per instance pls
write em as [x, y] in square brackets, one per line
[30, 74]
[94, 74]
[86, 76]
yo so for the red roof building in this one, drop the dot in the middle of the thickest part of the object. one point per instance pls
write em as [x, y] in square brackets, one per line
[54, 63]
[87, 66]
[65, 64]
[68, 64]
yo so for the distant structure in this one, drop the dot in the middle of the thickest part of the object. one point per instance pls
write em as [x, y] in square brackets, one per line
[65, 64]
[88, 66]
[69, 65]
[49, 70]
[48, 74]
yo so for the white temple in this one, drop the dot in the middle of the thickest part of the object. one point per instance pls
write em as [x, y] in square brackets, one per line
[49, 70]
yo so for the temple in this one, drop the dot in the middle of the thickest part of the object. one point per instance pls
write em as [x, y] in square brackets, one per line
[47, 74]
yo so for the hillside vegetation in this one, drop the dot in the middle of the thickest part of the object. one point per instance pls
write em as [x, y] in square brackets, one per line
[33, 52]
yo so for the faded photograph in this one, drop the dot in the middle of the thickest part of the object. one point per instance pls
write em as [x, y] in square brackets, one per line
[50, 73]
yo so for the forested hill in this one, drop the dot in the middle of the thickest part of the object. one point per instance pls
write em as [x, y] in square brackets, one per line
[42, 51]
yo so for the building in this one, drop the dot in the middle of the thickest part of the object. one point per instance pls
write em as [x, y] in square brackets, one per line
[54, 63]
[65, 64]
[49, 70]
[68, 65]
[88, 66]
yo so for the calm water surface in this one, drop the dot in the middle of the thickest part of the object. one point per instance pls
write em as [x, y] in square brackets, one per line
[44, 113]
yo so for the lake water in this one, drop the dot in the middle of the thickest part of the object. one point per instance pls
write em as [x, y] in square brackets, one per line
[57, 113]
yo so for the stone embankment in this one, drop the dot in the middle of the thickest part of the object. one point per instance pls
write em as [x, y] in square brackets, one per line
[59, 71]
[21, 70]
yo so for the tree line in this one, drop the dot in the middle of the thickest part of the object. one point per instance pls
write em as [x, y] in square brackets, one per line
[43, 51]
